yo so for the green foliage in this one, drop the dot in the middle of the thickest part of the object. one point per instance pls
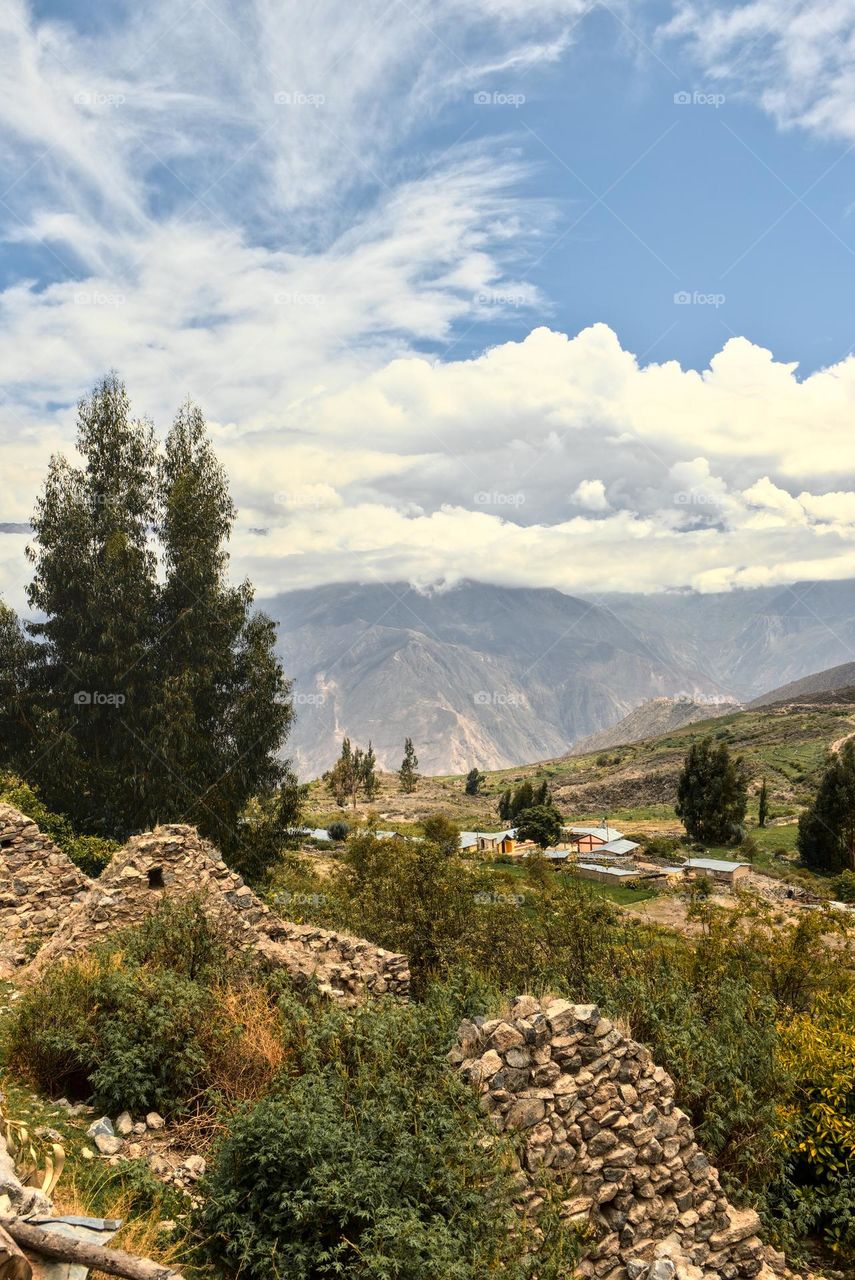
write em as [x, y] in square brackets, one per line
[763, 805]
[91, 853]
[541, 823]
[128, 1025]
[843, 886]
[370, 1162]
[355, 771]
[474, 782]
[338, 831]
[712, 793]
[826, 840]
[526, 796]
[408, 772]
[158, 699]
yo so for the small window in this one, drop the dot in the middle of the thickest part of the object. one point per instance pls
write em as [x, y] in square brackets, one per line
[155, 877]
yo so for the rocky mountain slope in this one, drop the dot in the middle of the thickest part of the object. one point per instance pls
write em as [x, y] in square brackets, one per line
[494, 676]
[651, 720]
[820, 682]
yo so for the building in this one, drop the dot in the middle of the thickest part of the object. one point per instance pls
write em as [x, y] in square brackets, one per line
[493, 843]
[592, 839]
[606, 875]
[716, 869]
[619, 848]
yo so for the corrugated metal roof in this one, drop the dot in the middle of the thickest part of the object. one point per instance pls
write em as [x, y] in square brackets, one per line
[602, 833]
[609, 871]
[713, 864]
[618, 846]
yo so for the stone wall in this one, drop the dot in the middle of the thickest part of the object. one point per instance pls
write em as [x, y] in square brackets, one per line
[591, 1107]
[37, 885]
[174, 861]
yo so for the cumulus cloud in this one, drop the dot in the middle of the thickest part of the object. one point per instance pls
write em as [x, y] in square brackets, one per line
[591, 494]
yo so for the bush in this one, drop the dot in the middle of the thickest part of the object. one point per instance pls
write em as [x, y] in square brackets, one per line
[371, 1163]
[843, 886]
[338, 831]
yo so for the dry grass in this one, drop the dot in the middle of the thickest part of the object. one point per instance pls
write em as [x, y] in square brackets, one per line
[245, 1061]
[140, 1234]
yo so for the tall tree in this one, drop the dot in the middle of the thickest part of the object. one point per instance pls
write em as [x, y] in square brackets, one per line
[94, 582]
[352, 773]
[763, 805]
[227, 707]
[826, 839]
[541, 823]
[16, 712]
[408, 772]
[368, 773]
[712, 793]
[474, 780]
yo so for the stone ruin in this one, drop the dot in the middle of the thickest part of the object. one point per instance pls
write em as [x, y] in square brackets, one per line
[174, 861]
[589, 1107]
[38, 883]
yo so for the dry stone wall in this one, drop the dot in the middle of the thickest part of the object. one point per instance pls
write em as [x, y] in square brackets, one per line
[592, 1108]
[173, 860]
[37, 885]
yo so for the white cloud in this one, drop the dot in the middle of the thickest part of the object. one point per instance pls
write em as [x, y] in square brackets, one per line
[591, 494]
[796, 61]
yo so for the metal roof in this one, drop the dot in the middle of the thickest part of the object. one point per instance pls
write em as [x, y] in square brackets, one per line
[470, 838]
[618, 846]
[602, 833]
[609, 871]
[713, 864]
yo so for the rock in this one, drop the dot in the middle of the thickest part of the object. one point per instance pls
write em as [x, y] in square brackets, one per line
[154, 1121]
[108, 1145]
[636, 1268]
[103, 1128]
[159, 1164]
[662, 1269]
[743, 1223]
[124, 1124]
[195, 1166]
[526, 1113]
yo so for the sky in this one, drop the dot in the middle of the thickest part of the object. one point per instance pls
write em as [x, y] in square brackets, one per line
[538, 292]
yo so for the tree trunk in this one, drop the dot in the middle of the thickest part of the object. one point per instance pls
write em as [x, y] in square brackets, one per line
[51, 1244]
[13, 1264]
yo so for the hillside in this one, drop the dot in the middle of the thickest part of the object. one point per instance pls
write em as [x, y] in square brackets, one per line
[785, 744]
[652, 719]
[492, 676]
[834, 680]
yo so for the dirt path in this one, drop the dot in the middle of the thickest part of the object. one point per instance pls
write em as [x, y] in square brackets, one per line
[835, 746]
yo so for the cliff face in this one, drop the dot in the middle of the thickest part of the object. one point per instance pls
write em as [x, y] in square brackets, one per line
[592, 1108]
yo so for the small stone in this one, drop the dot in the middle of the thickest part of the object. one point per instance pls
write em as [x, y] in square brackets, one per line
[195, 1166]
[102, 1127]
[154, 1121]
[124, 1124]
[107, 1145]
[526, 1113]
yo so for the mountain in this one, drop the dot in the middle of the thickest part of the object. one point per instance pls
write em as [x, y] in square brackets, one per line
[496, 676]
[818, 683]
[476, 675]
[653, 719]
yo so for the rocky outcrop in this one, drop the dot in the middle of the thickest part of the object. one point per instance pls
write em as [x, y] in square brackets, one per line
[38, 883]
[589, 1105]
[174, 861]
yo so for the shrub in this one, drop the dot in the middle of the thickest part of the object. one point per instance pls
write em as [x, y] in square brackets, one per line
[843, 886]
[338, 831]
[372, 1163]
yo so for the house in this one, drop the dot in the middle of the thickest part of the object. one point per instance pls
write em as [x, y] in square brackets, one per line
[716, 869]
[592, 839]
[493, 843]
[619, 848]
[606, 875]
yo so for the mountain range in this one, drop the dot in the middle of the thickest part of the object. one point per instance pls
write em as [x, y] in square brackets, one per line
[494, 676]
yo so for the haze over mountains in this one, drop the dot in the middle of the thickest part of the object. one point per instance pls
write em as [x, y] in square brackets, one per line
[495, 676]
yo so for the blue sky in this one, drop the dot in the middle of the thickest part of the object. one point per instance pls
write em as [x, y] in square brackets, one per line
[440, 275]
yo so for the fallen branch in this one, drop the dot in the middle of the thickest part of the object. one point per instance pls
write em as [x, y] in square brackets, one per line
[52, 1244]
[13, 1264]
